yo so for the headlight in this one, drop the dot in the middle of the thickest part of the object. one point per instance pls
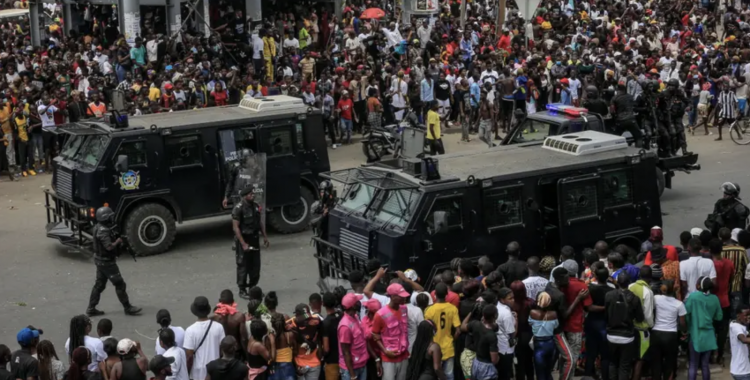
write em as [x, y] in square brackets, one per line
[82, 213]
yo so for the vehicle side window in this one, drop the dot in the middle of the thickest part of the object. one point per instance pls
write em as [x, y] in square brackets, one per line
[503, 207]
[136, 152]
[300, 135]
[278, 141]
[452, 207]
[531, 130]
[183, 150]
[245, 138]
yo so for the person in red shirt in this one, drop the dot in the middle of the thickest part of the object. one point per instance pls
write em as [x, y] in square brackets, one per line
[219, 95]
[449, 279]
[724, 271]
[62, 107]
[578, 299]
[344, 109]
[504, 41]
[657, 236]
[167, 99]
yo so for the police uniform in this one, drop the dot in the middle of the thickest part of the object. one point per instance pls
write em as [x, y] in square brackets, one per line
[248, 214]
[107, 269]
[624, 106]
[677, 104]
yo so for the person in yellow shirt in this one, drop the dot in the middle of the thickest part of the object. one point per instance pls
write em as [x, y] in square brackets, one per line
[434, 135]
[445, 318]
[6, 124]
[154, 93]
[269, 53]
[26, 157]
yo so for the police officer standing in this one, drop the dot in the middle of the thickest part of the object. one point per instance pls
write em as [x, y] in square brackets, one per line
[593, 103]
[728, 212]
[107, 247]
[246, 224]
[623, 109]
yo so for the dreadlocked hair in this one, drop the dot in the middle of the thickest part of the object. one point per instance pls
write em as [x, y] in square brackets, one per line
[78, 325]
[278, 323]
[45, 353]
[79, 362]
[425, 334]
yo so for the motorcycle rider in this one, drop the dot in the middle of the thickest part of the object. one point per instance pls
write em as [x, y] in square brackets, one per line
[107, 248]
[593, 103]
[678, 103]
[623, 109]
[728, 211]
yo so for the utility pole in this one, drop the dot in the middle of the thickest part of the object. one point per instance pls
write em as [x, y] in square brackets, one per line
[500, 19]
[463, 14]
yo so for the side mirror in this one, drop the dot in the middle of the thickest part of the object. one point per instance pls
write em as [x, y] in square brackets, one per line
[122, 163]
[440, 221]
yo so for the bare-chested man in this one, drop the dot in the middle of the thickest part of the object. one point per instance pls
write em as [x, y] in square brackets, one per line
[233, 321]
[486, 120]
[507, 86]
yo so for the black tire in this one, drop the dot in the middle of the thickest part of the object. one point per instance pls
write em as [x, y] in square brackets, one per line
[293, 218]
[150, 229]
[661, 182]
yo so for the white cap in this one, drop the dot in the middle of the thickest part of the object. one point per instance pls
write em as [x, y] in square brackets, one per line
[696, 231]
[124, 346]
[411, 274]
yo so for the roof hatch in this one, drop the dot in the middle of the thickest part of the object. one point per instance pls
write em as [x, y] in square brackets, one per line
[584, 143]
[279, 102]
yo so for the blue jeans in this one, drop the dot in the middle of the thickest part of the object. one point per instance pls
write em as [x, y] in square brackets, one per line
[361, 373]
[284, 371]
[544, 356]
[448, 368]
[596, 345]
[346, 130]
[120, 72]
[741, 377]
[698, 359]
[693, 115]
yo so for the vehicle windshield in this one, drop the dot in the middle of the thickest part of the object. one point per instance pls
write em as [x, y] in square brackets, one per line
[531, 130]
[394, 207]
[85, 150]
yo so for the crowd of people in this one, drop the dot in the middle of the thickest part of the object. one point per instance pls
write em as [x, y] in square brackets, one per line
[609, 313]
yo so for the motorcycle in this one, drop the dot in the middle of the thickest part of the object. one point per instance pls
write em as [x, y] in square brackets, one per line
[380, 142]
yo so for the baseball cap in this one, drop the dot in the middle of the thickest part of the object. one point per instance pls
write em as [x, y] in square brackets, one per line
[124, 346]
[373, 305]
[695, 231]
[571, 266]
[158, 363]
[350, 300]
[168, 86]
[302, 310]
[411, 274]
[27, 335]
[396, 290]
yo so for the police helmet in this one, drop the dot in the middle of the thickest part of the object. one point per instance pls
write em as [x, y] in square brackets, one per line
[246, 152]
[592, 92]
[673, 83]
[104, 215]
[325, 185]
[729, 188]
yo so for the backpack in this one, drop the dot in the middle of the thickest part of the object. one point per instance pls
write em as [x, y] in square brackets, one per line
[617, 314]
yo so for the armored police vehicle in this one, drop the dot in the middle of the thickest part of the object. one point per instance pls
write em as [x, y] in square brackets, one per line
[574, 190]
[560, 119]
[161, 169]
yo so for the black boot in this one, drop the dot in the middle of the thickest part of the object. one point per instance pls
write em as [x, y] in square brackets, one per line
[685, 152]
[94, 312]
[132, 310]
[243, 294]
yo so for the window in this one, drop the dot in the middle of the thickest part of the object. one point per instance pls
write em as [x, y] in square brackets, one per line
[245, 139]
[451, 206]
[531, 130]
[136, 152]
[503, 207]
[300, 135]
[183, 151]
[616, 188]
[277, 141]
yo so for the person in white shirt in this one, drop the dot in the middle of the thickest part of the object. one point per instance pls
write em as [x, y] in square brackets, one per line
[695, 267]
[574, 84]
[352, 47]
[392, 35]
[167, 343]
[152, 49]
[506, 323]
[739, 367]
[291, 42]
[202, 338]
[534, 283]
[423, 33]
[664, 335]
[46, 112]
[164, 319]
[80, 327]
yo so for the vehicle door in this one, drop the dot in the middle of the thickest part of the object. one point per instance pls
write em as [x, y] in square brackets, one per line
[141, 173]
[193, 176]
[507, 216]
[580, 208]
[278, 140]
[231, 144]
[452, 239]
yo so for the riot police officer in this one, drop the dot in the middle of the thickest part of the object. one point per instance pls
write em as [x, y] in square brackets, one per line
[728, 211]
[677, 103]
[107, 246]
[247, 225]
[593, 103]
[623, 109]
[238, 179]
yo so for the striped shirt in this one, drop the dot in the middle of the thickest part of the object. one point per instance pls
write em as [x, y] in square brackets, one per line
[727, 104]
[738, 256]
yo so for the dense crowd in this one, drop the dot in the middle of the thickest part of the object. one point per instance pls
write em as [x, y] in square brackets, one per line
[619, 314]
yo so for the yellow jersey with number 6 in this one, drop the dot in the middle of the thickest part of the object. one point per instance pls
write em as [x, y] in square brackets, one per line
[444, 315]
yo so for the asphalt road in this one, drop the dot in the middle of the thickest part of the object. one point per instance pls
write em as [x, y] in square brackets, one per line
[44, 284]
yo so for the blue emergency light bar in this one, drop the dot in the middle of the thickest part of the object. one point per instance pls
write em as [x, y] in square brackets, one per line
[568, 110]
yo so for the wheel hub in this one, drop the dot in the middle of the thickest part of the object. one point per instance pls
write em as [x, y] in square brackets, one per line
[295, 213]
[152, 231]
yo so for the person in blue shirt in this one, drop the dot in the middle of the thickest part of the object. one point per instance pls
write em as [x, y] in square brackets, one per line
[427, 91]
[521, 91]
[565, 97]
[475, 93]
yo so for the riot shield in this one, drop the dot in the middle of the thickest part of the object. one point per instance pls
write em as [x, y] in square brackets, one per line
[252, 172]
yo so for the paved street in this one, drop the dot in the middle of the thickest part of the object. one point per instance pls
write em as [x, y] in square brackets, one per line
[44, 284]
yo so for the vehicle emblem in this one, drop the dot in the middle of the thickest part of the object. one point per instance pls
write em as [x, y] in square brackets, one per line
[129, 180]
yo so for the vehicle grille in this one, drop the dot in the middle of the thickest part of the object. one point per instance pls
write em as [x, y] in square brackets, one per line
[354, 243]
[64, 184]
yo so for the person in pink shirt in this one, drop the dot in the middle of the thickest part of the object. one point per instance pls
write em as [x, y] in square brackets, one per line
[389, 329]
[354, 351]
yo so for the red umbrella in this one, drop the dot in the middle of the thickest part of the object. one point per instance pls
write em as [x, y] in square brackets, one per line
[370, 13]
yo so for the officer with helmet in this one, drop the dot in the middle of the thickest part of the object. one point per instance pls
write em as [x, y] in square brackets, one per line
[593, 103]
[246, 224]
[107, 247]
[677, 104]
[623, 110]
[728, 211]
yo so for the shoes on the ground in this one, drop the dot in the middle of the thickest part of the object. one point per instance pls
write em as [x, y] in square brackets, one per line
[24, 173]
[132, 310]
[32, 173]
[243, 294]
[93, 312]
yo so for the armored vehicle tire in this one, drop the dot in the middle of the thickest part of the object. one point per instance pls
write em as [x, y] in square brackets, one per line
[661, 182]
[295, 217]
[150, 229]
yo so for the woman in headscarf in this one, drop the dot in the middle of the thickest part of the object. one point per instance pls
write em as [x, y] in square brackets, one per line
[543, 323]
[703, 308]
[524, 354]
